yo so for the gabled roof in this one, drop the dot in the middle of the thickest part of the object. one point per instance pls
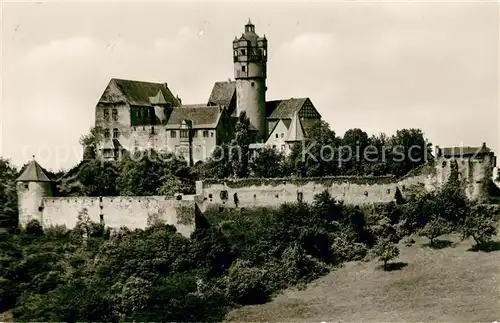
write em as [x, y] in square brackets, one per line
[33, 173]
[201, 117]
[136, 92]
[286, 108]
[295, 132]
[222, 93]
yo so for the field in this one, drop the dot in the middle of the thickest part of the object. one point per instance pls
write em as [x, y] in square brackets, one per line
[451, 284]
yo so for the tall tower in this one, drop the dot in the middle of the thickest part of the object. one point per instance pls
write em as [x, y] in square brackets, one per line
[250, 59]
[32, 186]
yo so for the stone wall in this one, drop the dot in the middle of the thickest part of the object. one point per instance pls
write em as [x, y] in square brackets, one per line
[351, 190]
[133, 212]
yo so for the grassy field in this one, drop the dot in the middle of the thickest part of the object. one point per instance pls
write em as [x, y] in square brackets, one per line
[433, 285]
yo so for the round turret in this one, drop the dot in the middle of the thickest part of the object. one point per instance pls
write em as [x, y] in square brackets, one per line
[32, 186]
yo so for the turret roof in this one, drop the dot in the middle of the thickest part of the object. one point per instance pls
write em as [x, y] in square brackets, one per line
[33, 173]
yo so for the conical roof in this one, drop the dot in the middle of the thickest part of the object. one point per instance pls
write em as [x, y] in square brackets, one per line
[33, 173]
[295, 132]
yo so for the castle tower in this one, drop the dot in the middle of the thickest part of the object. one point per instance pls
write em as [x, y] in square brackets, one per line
[250, 59]
[32, 186]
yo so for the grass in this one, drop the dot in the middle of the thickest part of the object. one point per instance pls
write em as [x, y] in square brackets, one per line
[452, 284]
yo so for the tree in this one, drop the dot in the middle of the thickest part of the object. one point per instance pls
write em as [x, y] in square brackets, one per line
[240, 146]
[268, 163]
[355, 142]
[317, 155]
[479, 224]
[143, 175]
[436, 227]
[90, 142]
[385, 250]
[8, 193]
[98, 178]
[409, 150]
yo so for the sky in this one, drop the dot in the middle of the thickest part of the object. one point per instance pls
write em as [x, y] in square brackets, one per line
[378, 66]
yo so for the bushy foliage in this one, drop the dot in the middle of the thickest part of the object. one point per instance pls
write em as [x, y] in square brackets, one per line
[8, 194]
[88, 274]
[480, 224]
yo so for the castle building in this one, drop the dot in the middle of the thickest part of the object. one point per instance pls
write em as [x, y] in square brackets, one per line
[136, 115]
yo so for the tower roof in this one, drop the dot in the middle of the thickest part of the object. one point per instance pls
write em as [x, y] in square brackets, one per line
[33, 173]
[295, 132]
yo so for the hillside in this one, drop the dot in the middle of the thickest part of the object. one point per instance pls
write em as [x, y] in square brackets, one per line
[447, 285]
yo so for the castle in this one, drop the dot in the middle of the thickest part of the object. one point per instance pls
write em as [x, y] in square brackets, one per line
[139, 115]
[134, 115]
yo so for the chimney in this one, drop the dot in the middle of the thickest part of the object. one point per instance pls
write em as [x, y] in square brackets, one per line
[179, 99]
[484, 145]
[166, 85]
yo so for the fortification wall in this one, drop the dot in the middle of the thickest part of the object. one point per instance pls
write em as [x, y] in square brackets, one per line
[472, 172]
[351, 190]
[133, 212]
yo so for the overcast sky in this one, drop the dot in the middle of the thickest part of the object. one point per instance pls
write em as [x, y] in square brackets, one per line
[376, 66]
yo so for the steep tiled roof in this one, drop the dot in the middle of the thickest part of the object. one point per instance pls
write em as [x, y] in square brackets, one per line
[33, 173]
[463, 151]
[287, 108]
[139, 93]
[222, 93]
[271, 106]
[201, 117]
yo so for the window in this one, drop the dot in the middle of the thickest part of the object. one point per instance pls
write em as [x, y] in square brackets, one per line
[265, 52]
[115, 114]
[211, 133]
[205, 133]
[282, 135]
[243, 68]
[106, 133]
[106, 114]
[276, 135]
[115, 133]
[243, 52]
[300, 196]
[253, 83]
[223, 195]
[172, 133]
[282, 147]
[184, 133]
[274, 146]
[108, 153]
[195, 133]
[152, 130]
